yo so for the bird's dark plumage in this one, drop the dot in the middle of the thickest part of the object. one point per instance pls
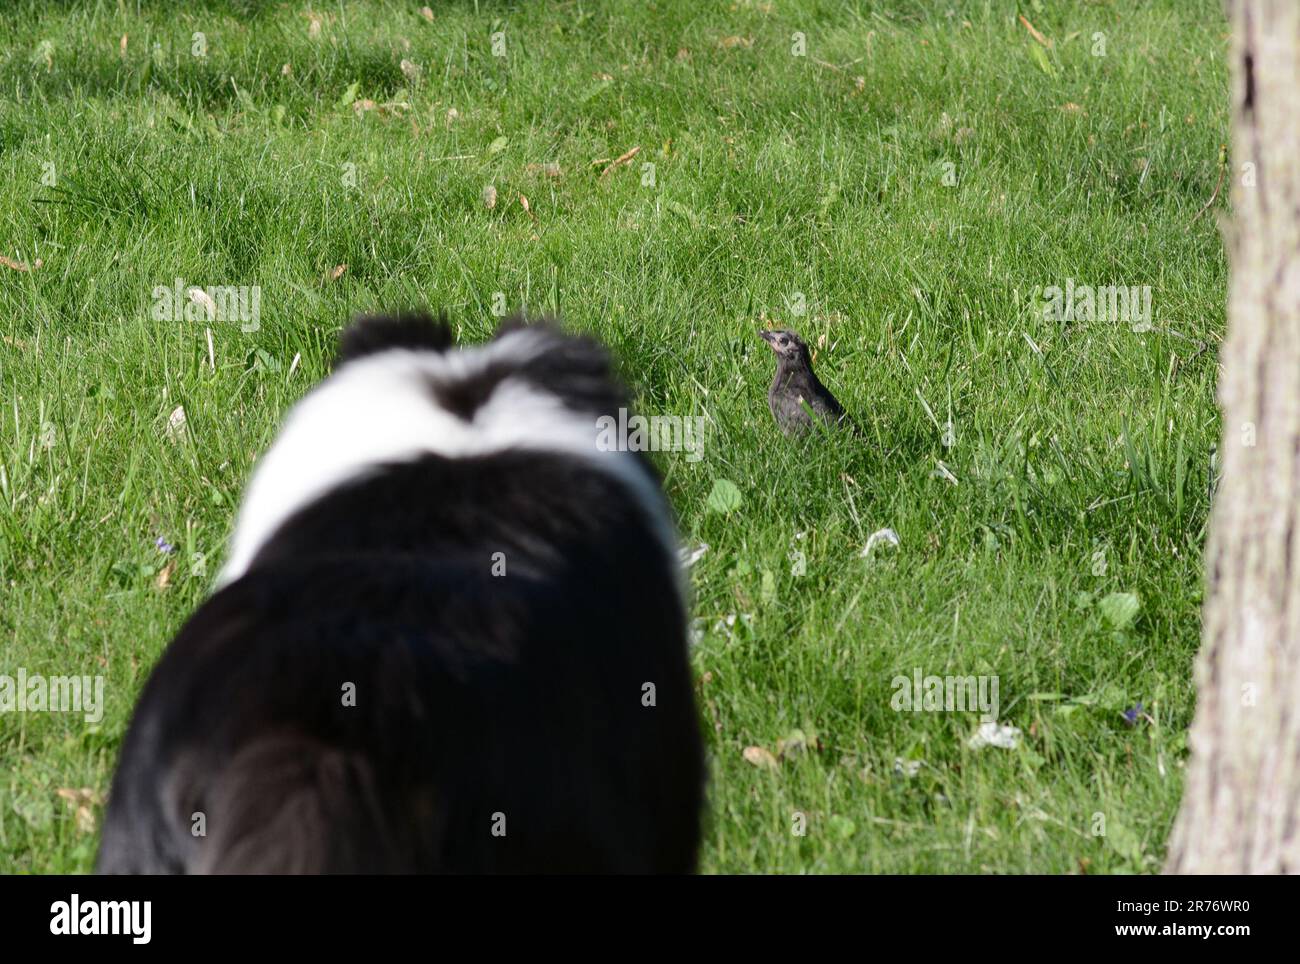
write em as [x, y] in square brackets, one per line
[796, 384]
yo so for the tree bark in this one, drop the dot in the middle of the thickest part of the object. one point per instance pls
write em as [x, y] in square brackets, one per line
[1241, 803]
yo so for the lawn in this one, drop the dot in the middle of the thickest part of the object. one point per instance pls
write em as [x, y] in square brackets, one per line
[899, 181]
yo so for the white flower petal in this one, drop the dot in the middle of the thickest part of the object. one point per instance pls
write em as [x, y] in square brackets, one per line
[886, 537]
[690, 555]
[1006, 736]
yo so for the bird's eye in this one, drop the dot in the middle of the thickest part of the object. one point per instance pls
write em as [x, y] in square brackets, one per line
[784, 342]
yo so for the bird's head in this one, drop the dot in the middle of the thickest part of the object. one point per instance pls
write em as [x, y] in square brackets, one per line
[788, 347]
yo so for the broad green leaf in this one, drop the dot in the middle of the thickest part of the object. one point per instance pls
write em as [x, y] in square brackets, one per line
[841, 828]
[1119, 609]
[724, 497]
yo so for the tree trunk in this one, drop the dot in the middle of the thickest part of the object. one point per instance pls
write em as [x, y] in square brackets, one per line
[1241, 806]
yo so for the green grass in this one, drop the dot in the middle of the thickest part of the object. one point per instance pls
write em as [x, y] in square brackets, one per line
[776, 177]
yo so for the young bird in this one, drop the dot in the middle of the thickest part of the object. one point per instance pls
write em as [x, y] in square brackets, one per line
[796, 384]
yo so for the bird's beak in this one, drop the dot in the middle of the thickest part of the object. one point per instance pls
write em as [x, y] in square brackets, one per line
[766, 336]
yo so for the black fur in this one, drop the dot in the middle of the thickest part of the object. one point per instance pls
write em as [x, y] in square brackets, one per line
[417, 330]
[477, 694]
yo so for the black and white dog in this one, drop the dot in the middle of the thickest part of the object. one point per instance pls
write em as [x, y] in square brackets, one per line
[450, 637]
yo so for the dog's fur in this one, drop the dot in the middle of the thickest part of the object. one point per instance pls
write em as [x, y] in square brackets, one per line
[500, 721]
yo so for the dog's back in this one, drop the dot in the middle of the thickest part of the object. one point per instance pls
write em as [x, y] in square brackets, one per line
[467, 655]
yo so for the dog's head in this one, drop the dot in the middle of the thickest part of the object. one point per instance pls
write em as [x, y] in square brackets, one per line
[402, 390]
[572, 369]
